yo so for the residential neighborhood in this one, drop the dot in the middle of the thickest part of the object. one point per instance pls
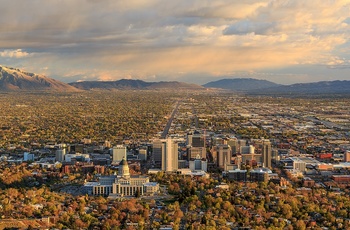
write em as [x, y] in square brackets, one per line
[225, 162]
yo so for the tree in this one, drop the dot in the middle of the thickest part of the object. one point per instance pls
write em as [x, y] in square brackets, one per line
[137, 193]
[300, 225]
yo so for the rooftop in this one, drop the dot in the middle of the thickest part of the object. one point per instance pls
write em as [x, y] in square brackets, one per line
[91, 184]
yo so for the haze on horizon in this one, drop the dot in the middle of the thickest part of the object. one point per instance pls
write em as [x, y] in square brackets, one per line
[284, 41]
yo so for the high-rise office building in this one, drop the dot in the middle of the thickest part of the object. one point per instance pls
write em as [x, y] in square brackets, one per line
[195, 139]
[60, 154]
[347, 156]
[143, 154]
[118, 153]
[157, 153]
[193, 152]
[196, 145]
[224, 155]
[170, 158]
[247, 149]
[233, 143]
[166, 154]
[263, 154]
[248, 155]
[198, 140]
[241, 143]
[266, 153]
[189, 139]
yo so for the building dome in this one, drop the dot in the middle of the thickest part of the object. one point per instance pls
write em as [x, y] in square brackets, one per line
[124, 168]
[123, 162]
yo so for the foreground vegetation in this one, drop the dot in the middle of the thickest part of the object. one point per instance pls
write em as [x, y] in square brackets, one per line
[199, 204]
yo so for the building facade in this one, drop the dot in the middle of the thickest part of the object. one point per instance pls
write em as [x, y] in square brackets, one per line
[166, 154]
[122, 184]
[118, 153]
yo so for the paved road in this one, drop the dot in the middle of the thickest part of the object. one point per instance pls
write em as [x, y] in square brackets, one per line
[167, 127]
[194, 112]
[329, 124]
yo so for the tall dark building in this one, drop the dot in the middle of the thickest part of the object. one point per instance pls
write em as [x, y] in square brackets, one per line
[266, 153]
[196, 146]
[158, 152]
[198, 140]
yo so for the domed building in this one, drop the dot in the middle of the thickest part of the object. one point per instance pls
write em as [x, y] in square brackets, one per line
[124, 184]
[124, 169]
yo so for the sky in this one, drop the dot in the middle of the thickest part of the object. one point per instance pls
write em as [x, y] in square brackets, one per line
[195, 41]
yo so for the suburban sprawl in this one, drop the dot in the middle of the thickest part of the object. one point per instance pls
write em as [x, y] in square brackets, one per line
[174, 159]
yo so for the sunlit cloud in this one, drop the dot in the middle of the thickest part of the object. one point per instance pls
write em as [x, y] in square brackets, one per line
[18, 53]
[157, 40]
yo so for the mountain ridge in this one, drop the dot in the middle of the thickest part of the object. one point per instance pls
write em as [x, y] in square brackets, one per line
[12, 79]
[320, 87]
[240, 84]
[256, 86]
[132, 84]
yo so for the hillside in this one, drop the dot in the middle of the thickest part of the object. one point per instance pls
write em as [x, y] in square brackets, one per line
[109, 85]
[241, 84]
[132, 84]
[322, 87]
[12, 79]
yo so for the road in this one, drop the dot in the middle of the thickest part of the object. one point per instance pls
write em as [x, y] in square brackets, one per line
[167, 127]
[194, 112]
[329, 124]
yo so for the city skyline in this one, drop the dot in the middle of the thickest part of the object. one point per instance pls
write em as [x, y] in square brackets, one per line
[191, 41]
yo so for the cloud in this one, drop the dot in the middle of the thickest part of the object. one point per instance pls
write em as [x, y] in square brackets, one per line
[112, 39]
[246, 27]
[338, 63]
[18, 53]
[347, 20]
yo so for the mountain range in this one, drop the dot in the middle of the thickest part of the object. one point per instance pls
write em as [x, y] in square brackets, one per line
[263, 87]
[12, 79]
[132, 84]
[241, 84]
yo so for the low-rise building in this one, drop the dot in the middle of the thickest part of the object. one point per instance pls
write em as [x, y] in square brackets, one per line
[198, 164]
[237, 175]
[259, 175]
[308, 182]
[342, 179]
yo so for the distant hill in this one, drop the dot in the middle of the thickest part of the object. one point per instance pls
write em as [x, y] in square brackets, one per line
[173, 85]
[108, 85]
[12, 79]
[322, 87]
[241, 84]
[132, 84]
